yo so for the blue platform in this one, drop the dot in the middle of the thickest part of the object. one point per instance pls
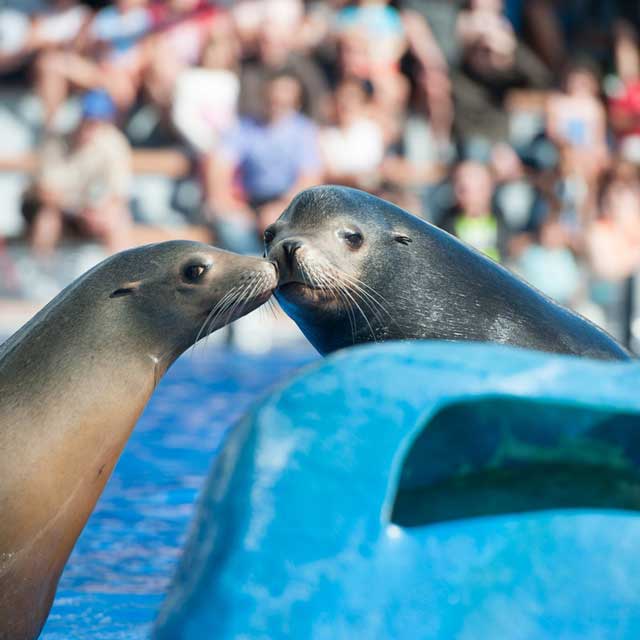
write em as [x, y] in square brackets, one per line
[423, 490]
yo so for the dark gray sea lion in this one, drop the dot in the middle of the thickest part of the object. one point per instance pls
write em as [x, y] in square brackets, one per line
[73, 382]
[354, 268]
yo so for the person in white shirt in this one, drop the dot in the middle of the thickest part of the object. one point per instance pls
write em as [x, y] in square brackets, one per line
[353, 147]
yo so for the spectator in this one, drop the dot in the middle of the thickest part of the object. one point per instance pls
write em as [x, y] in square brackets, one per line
[624, 96]
[576, 124]
[576, 118]
[205, 98]
[353, 148]
[108, 56]
[276, 156]
[472, 218]
[275, 52]
[493, 63]
[60, 24]
[613, 245]
[83, 184]
[372, 41]
[431, 32]
[550, 265]
[17, 41]
[613, 238]
[30, 28]
[183, 29]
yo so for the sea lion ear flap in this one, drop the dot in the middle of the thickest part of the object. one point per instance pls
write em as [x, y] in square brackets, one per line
[126, 289]
[402, 238]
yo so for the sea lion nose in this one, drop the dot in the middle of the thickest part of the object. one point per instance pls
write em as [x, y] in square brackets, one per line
[284, 254]
[289, 248]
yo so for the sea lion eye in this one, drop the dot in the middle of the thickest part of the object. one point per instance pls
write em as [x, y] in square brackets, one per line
[352, 237]
[269, 235]
[193, 272]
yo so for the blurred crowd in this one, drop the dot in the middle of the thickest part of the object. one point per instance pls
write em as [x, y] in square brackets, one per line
[513, 124]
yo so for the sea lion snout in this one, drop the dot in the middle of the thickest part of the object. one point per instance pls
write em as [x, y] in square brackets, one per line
[266, 278]
[286, 256]
[243, 284]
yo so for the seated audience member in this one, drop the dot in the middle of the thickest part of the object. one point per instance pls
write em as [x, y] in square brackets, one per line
[182, 32]
[431, 34]
[576, 125]
[353, 148]
[372, 41]
[550, 265]
[111, 58]
[472, 218]
[493, 63]
[205, 98]
[275, 51]
[83, 183]
[613, 245]
[613, 238]
[16, 38]
[576, 118]
[274, 157]
[624, 95]
[27, 29]
[61, 24]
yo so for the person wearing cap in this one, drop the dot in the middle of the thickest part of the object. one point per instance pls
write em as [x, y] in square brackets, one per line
[82, 183]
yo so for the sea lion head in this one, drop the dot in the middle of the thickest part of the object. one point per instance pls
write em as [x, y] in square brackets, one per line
[174, 293]
[339, 252]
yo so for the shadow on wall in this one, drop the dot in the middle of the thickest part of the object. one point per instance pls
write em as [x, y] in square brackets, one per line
[502, 455]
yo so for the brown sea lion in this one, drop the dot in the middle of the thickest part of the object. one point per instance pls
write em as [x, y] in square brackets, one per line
[73, 382]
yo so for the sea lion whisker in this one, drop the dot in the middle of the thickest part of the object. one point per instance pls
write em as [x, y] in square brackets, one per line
[222, 307]
[366, 291]
[308, 275]
[257, 283]
[348, 292]
[204, 324]
[355, 294]
[326, 282]
[216, 312]
[326, 277]
[222, 311]
[211, 313]
[351, 316]
[349, 303]
[247, 287]
[367, 300]
[371, 303]
[272, 308]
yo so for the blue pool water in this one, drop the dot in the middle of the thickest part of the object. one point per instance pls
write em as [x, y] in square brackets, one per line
[121, 566]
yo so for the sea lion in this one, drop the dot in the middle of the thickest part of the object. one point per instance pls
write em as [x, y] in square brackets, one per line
[73, 382]
[354, 268]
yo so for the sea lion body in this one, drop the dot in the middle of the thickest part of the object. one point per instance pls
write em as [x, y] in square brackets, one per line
[344, 254]
[73, 382]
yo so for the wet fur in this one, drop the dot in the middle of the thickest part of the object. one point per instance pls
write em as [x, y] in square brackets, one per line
[426, 284]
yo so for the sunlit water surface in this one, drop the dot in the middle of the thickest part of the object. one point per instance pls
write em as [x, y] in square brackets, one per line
[122, 564]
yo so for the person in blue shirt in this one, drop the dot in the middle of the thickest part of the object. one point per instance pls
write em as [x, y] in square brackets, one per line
[261, 163]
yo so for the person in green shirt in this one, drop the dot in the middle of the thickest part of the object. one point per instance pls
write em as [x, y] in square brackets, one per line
[472, 218]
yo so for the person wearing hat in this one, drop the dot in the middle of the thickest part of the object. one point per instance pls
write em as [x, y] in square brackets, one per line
[81, 185]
